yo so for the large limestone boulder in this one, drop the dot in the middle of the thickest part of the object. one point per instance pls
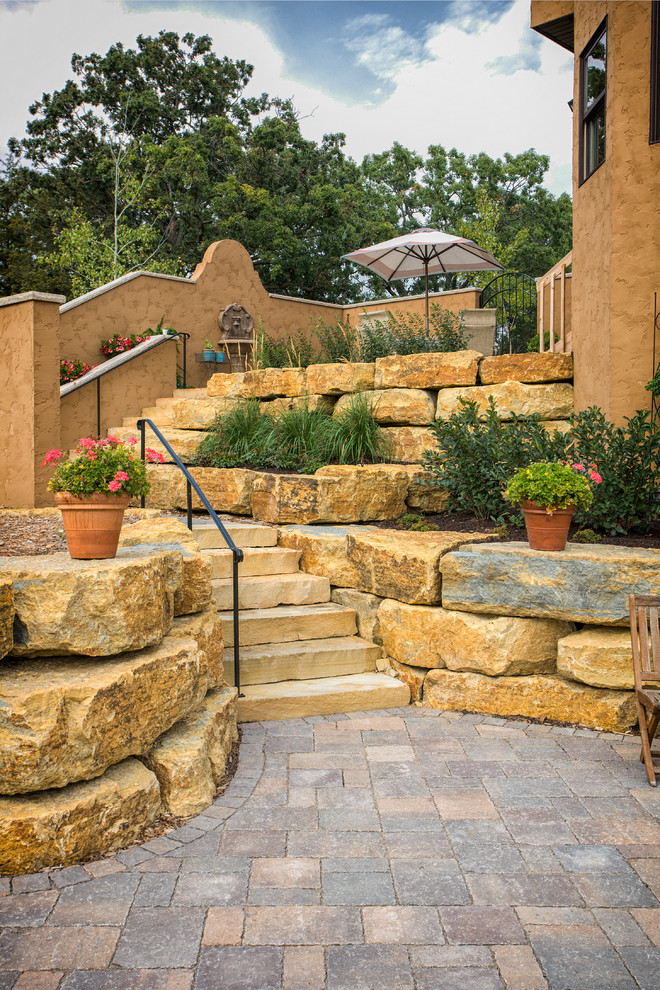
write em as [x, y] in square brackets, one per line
[322, 551]
[231, 386]
[587, 584]
[6, 616]
[96, 608]
[314, 403]
[413, 406]
[66, 719]
[427, 370]
[599, 657]
[340, 379]
[409, 442]
[489, 644]
[547, 401]
[227, 489]
[205, 628]
[538, 696]
[530, 368]
[189, 760]
[335, 494]
[269, 383]
[194, 591]
[199, 413]
[79, 822]
[183, 442]
[402, 565]
[366, 608]
[422, 496]
[414, 677]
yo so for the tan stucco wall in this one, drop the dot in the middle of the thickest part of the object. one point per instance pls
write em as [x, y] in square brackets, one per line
[453, 301]
[543, 11]
[29, 397]
[124, 393]
[616, 234]
[226, 275]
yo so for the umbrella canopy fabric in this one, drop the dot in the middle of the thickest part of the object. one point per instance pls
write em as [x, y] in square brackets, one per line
[424, 252]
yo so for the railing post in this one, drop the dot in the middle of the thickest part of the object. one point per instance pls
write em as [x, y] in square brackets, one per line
[98, 408]
[189, 503]
[237, 663]
[142, 427]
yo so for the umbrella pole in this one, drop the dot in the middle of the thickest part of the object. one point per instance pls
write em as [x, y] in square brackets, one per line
[426, 275]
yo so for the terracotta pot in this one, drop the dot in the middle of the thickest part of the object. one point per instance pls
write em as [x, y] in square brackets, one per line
[547, 529]
[92, 523]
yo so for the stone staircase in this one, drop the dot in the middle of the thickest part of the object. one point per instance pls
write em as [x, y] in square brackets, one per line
[300, 654]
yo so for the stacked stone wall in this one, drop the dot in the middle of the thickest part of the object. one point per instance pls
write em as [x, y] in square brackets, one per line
[408, 394]
[492, 628]
[114, 708]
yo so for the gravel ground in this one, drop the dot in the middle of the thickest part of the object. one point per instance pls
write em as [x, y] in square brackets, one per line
[36, 533]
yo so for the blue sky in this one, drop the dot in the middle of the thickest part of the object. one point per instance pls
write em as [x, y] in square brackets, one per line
[468, 74]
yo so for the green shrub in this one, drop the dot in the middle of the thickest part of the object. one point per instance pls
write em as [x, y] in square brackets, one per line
[476, 458]
[628, 498]
[401, 333]
[298, 439]
[294, 351]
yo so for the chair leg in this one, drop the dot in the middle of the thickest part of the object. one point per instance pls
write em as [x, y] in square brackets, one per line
[647, 732]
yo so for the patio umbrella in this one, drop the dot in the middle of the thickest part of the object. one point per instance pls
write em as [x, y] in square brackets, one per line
[424, 252]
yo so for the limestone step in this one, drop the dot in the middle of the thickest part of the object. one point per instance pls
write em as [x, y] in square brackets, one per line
[266, 591]
[289, 623]
[188, 393]
[322, 696]
[308, 658]
[244, 535]
[183, 442]
[257, 561]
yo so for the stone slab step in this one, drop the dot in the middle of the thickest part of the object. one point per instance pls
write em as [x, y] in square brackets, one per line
[288, 623]
[243, 534]
[157, 415]
[183, 442]
[258, 561]
[308, 658]
[188, 393]
[322, 696]
[271, 590]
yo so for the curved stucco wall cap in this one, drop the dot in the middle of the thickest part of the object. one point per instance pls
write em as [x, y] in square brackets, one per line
[233, 260]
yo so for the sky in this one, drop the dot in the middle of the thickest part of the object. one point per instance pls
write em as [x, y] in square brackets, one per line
[468, 74]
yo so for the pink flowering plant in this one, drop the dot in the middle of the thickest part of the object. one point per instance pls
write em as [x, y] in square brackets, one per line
[111, 346]
[554, 484]
[102, 466]
[70, 370]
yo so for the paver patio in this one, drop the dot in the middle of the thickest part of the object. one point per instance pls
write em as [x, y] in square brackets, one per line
[407, 848]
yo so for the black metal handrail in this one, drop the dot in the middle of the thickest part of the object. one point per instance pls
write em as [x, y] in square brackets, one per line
[96, 374]
[237, 553]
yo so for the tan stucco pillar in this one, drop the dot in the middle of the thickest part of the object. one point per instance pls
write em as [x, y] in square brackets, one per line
[29, 395]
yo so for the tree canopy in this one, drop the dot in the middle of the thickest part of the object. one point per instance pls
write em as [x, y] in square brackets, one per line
[150, 154]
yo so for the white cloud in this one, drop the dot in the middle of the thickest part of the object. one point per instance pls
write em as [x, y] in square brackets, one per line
[450, 89]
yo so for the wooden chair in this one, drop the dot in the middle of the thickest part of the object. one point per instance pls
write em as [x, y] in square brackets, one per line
[645, 636]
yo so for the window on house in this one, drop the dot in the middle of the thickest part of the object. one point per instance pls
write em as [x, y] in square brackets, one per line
[593, 92]
[654, 128]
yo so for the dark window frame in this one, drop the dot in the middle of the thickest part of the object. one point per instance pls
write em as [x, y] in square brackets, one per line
[600, 103]
[654, 121]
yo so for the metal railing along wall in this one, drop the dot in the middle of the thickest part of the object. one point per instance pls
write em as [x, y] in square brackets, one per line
[96, 374]
[237, 553]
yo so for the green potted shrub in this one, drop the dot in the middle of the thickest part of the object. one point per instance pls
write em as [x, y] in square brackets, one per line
[548, 493]
[208, 354]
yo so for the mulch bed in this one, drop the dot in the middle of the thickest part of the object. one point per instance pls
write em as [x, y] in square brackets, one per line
[465, 523]
[27, 534]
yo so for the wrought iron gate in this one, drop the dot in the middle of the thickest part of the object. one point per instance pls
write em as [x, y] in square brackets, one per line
[513, 296]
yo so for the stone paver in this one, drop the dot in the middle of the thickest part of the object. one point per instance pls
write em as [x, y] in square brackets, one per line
[399, 850]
